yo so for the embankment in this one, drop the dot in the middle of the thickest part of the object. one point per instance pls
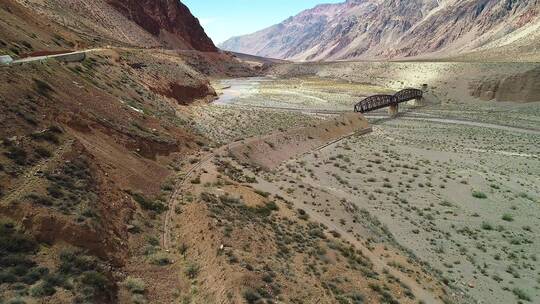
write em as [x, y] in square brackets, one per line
[270, 151]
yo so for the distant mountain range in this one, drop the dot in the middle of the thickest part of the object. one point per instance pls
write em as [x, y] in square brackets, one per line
[389, 29]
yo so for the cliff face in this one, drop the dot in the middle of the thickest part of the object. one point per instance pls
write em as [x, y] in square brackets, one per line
[384, 29]
[170, 20]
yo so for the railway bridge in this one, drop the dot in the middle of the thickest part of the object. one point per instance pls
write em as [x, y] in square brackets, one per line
[376, 102]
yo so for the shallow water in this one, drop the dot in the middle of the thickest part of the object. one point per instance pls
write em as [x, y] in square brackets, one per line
[239, 87]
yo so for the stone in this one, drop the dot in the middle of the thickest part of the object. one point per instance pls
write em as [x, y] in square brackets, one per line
[6, 60]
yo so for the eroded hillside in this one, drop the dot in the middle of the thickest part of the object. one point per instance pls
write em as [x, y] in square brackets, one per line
[120, 183]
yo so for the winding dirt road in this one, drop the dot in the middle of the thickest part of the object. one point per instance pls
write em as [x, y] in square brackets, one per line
[178, 196]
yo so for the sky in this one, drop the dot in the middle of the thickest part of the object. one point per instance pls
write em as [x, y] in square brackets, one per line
[223, 19]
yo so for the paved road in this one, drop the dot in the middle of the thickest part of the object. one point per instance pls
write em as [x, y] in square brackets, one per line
[39, 58]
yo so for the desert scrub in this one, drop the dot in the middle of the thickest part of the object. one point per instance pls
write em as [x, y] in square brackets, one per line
[71, 190]
[135, 285]
[521, 294]
[479, 194]
[147, 204]
[18, 155]
[302, 214]
[16, 252]
[251, 296]
[192, 270]
[160, 259]
[262, 193]
[237, 175]
[77, 273]
[507, 217]
[50, 135]
[43, 152]
[86, 274]
[43, 88]
[487, 226]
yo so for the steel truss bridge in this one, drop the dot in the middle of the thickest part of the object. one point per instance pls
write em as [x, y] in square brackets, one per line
[376, 102]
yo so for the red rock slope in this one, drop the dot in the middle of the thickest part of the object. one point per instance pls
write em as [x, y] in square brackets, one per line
[170, 20]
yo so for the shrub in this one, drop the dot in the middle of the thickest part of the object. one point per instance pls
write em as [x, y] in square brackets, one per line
[138, 299]
[35, 274]
[41, 200]
[160, 260]
[7, 277]
[183, 249]
[147, 204]
[265, 210]
[230, 201]
[479, 195]
[18, 155]
[262, 193]
[74, 263]
[43, 88]
[135, 285]
[56, 129]
[12, 241]
[42, 152]
[508, 217]
[46, 135]
[302, 214]
[487, 226]
[152, 240]
[95, 279]
[251, 296]
[192, 271]
[521, 294]
[43, 289]
[356, 298]
[55, 191]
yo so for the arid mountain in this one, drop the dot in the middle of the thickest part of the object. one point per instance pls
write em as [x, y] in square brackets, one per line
[163, 23]
[386, 29]
[169, 20]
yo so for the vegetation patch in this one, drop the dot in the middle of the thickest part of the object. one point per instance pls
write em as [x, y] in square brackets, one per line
[71, 189]
[147, 204]
[479, 195]
[82, 275]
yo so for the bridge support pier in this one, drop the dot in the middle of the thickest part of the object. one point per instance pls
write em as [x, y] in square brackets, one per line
[418, 102]
[393, 110]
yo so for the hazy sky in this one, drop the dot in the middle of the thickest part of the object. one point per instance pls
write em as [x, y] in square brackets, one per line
[223, 19]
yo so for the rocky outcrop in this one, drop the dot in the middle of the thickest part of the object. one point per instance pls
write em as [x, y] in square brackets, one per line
[170, 20]
[524, 87]
[96, 23]
[385, 29]
[185, 94]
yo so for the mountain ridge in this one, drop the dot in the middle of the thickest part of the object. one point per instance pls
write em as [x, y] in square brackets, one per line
[389, 29]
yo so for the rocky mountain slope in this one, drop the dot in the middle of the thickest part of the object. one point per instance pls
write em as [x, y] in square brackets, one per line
[170, 20]
[89, 150]
[387, 29]
[163, 23]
